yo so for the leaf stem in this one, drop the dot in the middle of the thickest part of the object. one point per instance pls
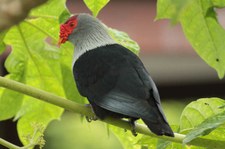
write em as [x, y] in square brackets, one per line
[13, 146]
[84, 110]
[8, 144]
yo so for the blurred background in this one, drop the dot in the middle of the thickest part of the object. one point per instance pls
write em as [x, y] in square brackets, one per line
[180, 74]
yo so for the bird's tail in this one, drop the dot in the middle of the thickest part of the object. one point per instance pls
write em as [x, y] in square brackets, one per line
[161, 128]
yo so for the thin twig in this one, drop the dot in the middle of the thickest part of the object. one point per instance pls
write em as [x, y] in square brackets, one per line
[8, 144]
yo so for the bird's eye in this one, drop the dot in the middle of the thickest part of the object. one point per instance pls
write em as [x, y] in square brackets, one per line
[71, 25]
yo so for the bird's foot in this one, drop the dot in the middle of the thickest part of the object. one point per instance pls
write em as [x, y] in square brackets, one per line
[91, 118]
[133, 131]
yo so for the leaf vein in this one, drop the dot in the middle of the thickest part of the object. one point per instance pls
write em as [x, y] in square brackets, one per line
[28, 51]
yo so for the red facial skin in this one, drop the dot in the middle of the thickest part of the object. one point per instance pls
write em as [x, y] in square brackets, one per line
[66, 29]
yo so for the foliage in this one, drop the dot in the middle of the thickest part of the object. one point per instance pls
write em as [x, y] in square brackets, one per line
[36, 60]
[201, 117]
[95, 5]
[2, 44]
[201, 27]
[124, 39]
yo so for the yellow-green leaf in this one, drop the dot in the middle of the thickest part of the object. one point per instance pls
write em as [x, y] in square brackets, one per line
[201, 27]
[95, 5]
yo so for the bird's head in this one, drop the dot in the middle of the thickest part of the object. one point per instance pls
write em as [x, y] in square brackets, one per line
[85, 32]
[67, 28]
[81, 28]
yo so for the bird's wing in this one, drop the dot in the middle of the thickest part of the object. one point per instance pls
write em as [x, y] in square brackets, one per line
[115, 79]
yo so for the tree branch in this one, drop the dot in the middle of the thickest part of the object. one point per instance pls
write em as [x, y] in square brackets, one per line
[84, 110]
[14, 11]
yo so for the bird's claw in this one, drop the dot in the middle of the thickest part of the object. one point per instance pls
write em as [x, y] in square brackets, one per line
[133, 131]
[91, 118]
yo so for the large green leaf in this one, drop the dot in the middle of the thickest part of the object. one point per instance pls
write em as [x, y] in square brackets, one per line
[123, 39]
[201, 117]
[200, 25]
[10, 101]
[95, 5]
[37, 63]
[205, 34]
[170, 9]
[206, 127]
[198, 111]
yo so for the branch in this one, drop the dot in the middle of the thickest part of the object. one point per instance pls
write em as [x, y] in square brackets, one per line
[14, 11]
[84, 110]
[8, 144]
[12, 146]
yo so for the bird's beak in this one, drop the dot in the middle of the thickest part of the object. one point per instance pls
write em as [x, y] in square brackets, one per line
[60, 41]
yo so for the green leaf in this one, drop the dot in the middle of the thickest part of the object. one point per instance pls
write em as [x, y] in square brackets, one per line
[197, 114]
[64, 16]
[216, 137]
[206, 127]
[10, 101]
[198, 111]
[154, 143]
[201, 28]
[95, 5]
[37, 63]
[170, 9]
[218, 3]
[51, 9]
[160, 143]
[124, 39]
[205, 34]
[38, 72]
[127, 139]
[69, 85]
[148, 141]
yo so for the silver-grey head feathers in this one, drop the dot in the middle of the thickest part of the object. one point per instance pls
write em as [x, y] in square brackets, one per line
[89, 34]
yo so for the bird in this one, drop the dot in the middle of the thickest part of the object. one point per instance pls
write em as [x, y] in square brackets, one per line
[110, 76]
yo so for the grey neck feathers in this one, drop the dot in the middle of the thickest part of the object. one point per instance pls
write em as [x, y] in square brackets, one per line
[89, 34]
